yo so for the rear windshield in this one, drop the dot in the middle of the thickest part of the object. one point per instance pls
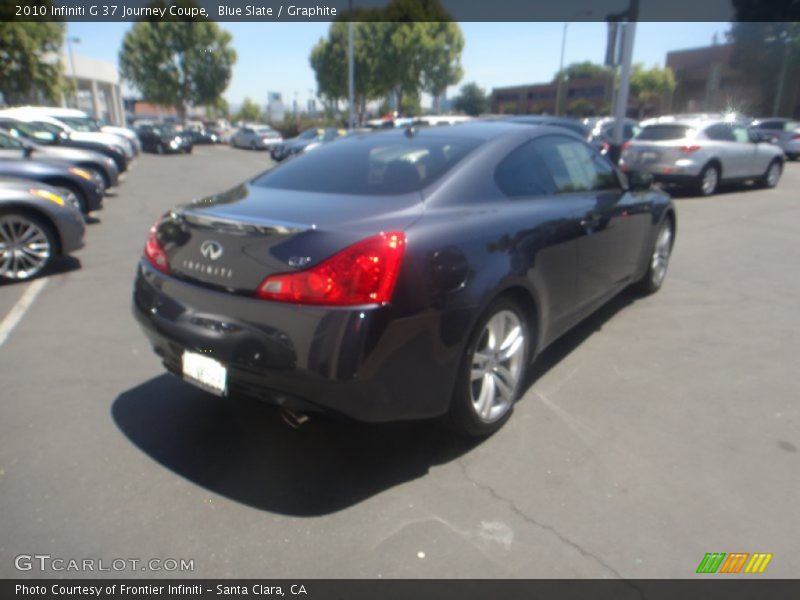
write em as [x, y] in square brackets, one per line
[664, 132]
[370, 166]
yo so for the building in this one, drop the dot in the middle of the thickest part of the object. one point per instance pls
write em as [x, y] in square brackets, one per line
[706, 80]
[98, 88]
[582, 97]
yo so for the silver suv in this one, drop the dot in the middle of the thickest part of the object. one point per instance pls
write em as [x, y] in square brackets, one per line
[702, 152]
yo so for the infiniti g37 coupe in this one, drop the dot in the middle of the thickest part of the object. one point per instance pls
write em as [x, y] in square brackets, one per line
[399, 274]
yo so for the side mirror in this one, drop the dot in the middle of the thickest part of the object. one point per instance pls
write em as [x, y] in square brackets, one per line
[639, 181]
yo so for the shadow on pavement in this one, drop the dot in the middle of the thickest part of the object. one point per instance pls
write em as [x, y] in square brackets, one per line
[241, 449]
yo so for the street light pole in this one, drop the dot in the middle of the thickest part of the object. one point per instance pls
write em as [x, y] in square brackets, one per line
[351, 118]
[776, 104]
[70, 40]
[560, 82]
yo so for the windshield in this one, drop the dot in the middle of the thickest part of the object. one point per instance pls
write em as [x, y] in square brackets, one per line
[658, 133]
[80, 123]
[310, 134]
[264, 130]
[370, 166]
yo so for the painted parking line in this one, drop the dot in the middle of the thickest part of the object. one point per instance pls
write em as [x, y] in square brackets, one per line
[14, 316]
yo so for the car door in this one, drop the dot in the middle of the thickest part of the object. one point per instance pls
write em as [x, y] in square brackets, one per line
[613, 222]
[10, 147]
[731, 154]
[547, 225]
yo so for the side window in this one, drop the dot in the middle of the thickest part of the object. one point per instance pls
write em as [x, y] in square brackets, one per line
[576, 167]
[740, 134]
[720, 133]
[776, 125]
[524, 172]
[9, 143]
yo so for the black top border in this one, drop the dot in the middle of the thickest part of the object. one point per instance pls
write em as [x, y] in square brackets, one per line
[398, 10]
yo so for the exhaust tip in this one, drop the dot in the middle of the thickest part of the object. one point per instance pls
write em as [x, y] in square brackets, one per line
[293, 419]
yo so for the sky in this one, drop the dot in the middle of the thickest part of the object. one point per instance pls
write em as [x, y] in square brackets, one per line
[274, 56]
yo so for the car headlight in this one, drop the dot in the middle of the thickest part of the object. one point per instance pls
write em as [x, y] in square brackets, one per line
[46, 195]
[174, 143]
[80, 173]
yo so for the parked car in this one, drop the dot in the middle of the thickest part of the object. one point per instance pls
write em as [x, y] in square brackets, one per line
[163, 139]
[36, 226]
[563, 122]
[202, 136]
[399, 274]
[701, 153]
[80, 121]
[47, 134]
[601, 132]
[256, 137]
[785, 132]
[89, 136]
[99, 166]
[308, 140]
[77, 186]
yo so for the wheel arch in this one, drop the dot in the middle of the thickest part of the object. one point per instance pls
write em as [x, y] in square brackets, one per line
[37, 213]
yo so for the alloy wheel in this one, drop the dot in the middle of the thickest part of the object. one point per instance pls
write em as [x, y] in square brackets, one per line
[496, 366]
[710, 181]
[25, 248]
[661, 253]
[773, 174]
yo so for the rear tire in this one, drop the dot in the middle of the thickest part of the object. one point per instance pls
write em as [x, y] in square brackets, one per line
[35, 246]
[492, 371]
[708, 180]
[659, 259]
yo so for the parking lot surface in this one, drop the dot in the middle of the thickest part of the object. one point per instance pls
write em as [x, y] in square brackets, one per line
[659, 430]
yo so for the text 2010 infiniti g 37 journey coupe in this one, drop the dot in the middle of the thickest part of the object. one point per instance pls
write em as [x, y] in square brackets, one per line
[400, 274]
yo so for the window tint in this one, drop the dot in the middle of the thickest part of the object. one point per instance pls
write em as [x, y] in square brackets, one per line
[370, 166]
[771, 125]
[665, 132]
[720, 132]
[554, 164]
[8, 142]
[524, 173]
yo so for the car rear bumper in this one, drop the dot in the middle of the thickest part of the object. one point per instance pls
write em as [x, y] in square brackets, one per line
[357, 362]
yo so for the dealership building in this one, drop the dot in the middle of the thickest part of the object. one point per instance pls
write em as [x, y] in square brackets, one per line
[98, 88]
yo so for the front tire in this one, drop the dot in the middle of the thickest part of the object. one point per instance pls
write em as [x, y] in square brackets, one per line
[27, 246]
[492, 371]
[659, 259]
[772, 176]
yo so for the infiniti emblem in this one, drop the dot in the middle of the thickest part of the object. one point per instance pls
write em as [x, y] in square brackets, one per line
[211, 250]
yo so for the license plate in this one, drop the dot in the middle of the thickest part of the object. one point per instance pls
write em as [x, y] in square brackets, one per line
[205, 372]
[648, 156]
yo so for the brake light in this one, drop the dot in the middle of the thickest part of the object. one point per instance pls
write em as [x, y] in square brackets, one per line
[689, 149]
[605, 148]
[154, 251]
[626, 145]
[796, 136]
[364, 273]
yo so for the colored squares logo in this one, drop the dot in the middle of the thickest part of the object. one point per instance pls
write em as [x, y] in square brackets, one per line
[735, 562]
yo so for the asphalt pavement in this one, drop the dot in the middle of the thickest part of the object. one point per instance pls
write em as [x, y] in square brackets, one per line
[659, 430]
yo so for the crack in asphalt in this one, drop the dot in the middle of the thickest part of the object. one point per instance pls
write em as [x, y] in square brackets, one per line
[528, 519]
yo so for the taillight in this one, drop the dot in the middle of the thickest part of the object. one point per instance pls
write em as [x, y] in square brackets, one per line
[626, 145]
[796, 136]
[154, 251]
[605, 148]
[689, 149]
[364, 273]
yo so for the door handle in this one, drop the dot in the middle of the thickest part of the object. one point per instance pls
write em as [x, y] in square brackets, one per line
[590, 222]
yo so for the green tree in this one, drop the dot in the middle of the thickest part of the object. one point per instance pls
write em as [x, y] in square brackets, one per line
[581, 70]
[405, 48]
[649, 86]
[581, 108]
[178, 63]
[248, 111]
[472, 100]
[27, 74]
